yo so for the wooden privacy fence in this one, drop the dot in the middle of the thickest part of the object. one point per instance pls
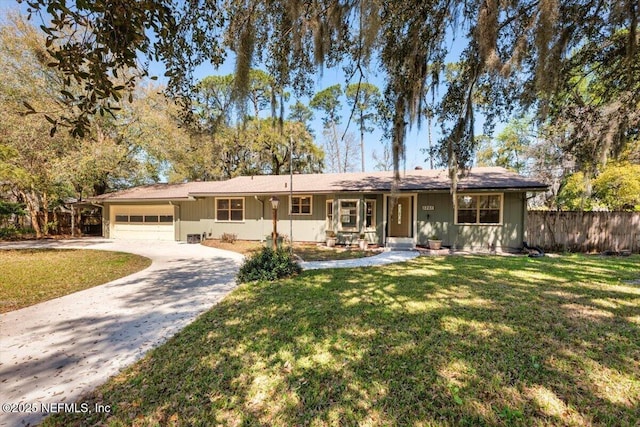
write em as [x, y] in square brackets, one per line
[584, 231]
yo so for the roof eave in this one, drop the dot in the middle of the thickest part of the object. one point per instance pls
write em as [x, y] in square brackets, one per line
[146, 199]
[364, 190]
[513, 189]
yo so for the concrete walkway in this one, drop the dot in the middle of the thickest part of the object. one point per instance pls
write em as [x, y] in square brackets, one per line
[56, 351]
[383, 258]
[59, 350]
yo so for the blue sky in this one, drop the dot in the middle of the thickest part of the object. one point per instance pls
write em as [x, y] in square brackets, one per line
[415, 140]
[328, 77]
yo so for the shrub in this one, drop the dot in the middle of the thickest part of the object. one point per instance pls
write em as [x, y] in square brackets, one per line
[12, 232]
[8, 232]
[268, 265]
[228, 237]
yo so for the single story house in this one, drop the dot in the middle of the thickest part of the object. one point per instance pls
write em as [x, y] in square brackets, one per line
[490, 211]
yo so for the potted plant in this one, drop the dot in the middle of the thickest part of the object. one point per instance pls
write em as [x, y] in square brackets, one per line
[362, 242]
[330, 238]
[435, 242]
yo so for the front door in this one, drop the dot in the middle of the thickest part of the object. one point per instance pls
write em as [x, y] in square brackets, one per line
[400, 217]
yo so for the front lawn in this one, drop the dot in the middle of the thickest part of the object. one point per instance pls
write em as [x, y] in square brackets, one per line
[30, 276]
[438, 341]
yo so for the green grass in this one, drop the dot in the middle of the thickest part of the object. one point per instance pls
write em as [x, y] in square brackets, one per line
[30, 276]
[438, 341]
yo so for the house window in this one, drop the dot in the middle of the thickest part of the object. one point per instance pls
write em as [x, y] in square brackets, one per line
[122, 218]
[301, 205]
[135, 218]
[348, 215]
[479, 209]
[330, 215]
[370, 214]
[151, 218]
[229, 209]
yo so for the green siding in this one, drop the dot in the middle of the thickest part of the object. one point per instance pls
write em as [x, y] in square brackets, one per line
[199, 217]
[372, 236]
[441, 221]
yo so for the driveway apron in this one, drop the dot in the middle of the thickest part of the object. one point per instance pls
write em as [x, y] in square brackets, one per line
[57, 351]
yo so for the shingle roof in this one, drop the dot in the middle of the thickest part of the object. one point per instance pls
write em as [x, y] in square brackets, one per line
[157, 192]
[491, 178]
[414, 180]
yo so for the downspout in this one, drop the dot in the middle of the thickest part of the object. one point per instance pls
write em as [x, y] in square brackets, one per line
[178, 220]
[261, 217]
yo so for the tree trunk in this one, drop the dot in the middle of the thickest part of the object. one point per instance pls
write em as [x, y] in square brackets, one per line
[362, 138]
[45, 211]
[337, 147]
[31, 201]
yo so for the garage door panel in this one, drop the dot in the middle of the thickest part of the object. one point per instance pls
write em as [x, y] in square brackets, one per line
[143, 222]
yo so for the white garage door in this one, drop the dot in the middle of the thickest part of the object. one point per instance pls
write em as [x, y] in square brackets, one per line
[152, 222]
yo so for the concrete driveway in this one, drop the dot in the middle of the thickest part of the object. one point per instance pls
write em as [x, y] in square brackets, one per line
[56, 351]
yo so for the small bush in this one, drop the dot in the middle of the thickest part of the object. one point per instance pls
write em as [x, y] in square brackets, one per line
[228, 238]
[12, 232]
[8, 232]
[268, 265]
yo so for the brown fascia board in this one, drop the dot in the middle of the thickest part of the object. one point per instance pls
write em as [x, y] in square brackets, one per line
[372, 190]
[142, 200]
[506, 189]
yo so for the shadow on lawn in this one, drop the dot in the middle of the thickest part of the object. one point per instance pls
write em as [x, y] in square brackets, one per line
[442, 341]
[127, 318]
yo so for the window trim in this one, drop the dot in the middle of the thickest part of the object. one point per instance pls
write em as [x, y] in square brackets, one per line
[374, 215]
[229, 210]
[477, 210]
[141, 221]
[157, 217]
[329, 219]
[355, 228]
[160, 217]
[120, 221]
[300, 197]
[144, 219]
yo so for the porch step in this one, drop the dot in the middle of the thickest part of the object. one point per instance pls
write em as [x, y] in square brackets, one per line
[400, 244]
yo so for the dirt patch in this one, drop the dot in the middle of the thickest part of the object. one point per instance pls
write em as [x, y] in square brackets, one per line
[244, 247]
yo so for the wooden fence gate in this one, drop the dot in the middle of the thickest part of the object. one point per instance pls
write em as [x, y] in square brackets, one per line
[584, 231]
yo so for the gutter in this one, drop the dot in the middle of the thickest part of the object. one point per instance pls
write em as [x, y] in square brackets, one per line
[181, 199]
[178, 220]
[261, 214]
